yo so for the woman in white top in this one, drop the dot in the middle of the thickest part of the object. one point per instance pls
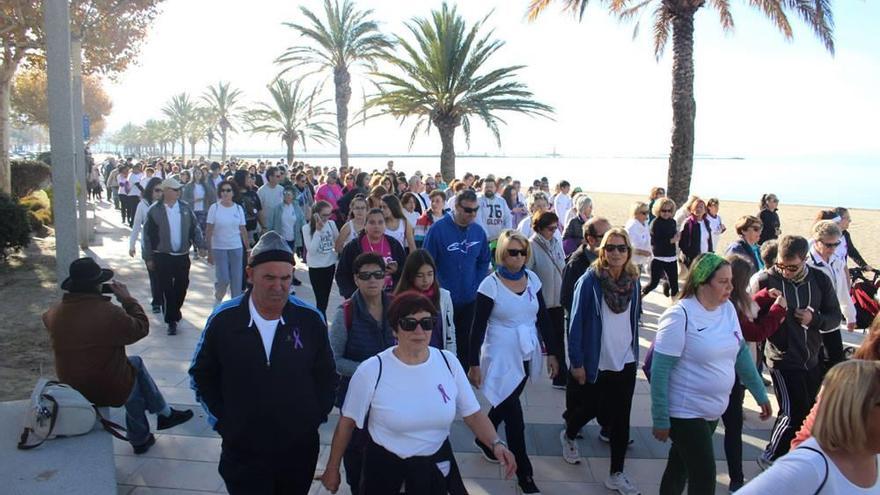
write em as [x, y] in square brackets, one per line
[319, 239]
[227, 243]
[842, 456]
[716, 224]
[537, 203]
[505, 347]
[409, 201]
[698, 352]
[152, 193]
[640, 235]
[826, 238]
[412, 393]
[357, 220]
[396, 224]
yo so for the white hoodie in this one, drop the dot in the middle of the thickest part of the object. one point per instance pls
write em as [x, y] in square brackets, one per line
[836, 270]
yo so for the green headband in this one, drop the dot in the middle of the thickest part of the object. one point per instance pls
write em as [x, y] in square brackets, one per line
[706, 267]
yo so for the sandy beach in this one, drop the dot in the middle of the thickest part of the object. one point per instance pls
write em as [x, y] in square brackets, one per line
[796, 219]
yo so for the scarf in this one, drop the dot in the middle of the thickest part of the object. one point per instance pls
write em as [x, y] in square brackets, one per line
[503, 272]
[798, 278]
[553, 250]
[617, 293]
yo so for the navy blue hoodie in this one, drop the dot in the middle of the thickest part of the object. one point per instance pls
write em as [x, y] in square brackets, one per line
[462, 257]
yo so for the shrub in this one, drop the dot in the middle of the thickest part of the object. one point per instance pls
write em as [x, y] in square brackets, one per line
[15, 230]
[39, 209]
[28, 176]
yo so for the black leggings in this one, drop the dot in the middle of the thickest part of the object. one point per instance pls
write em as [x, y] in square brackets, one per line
[322, 281]
[510, 412]
[463, 316]
[733, 428]
[658, 270]
[557, 326]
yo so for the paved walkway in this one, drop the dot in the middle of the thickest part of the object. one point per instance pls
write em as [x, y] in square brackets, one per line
[184, 459]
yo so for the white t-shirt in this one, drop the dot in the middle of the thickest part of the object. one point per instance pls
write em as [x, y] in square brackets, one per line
[320, 245]
[494, 215]
[704, 238]
[617, 339]
[198, 197]
[700, 383]
[266, 327]
[561, 204]
[174, 234]
[715, 227]
[412, 218]
[802, 471]
[640, 235]
[270, 197]
[288, 221]
[413, 406]
[135, 180]
[227, 223]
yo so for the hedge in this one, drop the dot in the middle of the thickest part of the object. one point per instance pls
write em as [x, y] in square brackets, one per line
[15, 229]
[28, 176]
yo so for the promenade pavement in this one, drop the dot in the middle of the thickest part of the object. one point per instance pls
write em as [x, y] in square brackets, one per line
[184, 459]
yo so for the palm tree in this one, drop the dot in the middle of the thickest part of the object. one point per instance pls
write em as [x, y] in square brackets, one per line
[223, 103]
[294, 115]
[181, 111]
[347, 38]
[440, 84]
[676, 17]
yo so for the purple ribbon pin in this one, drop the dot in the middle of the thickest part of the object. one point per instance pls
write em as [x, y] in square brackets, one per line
[297, 342]
[443, 393]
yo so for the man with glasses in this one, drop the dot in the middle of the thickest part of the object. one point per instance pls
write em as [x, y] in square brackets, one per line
[793, 352]
[170, 229]
[271, 194]
[461, 251]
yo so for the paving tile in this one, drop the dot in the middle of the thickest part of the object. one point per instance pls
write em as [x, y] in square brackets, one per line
[141, 490]
[483, 486]
[126, 465]
[555, 469]
[177, 474]
[124, 489]
[475, 466]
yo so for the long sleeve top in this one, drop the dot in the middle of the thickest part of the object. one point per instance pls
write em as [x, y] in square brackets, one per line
[140, 216]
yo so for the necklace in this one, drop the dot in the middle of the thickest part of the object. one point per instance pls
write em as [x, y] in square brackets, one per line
[375, 249]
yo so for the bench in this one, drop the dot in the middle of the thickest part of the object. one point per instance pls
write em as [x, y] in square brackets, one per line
[74, 465]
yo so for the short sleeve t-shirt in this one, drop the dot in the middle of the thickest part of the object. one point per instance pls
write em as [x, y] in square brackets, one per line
[700, 383]
[227, 221]
[412, 406]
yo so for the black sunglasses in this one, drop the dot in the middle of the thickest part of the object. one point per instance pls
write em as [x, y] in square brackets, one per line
[378, 275]
[621, 248]
[830, 244]
[788, 268]
[410, 324]
[517, 252]
[665, 211]
[470, 210]
[225, 189]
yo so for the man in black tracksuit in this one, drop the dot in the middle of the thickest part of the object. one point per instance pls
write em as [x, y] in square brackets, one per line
[794, 351]
[265, 374]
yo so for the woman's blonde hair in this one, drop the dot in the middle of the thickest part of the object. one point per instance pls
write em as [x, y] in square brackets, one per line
[660, 203]
[849, 392]
[826, 229]
[602, 261]
[638, 205]
[504, 239]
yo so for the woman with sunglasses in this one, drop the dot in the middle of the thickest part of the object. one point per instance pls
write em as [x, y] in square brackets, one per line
[699, 351]
[319, 238]
[152, 193]
[827, 237]
[420, 275]
[664, 237]
[696, 234]
[748, 228]
[603, 347]
[510, 323]
[412, 394]
[360, 330]
[227, 240]
[357, 219]
[640, 235]
[373, 239]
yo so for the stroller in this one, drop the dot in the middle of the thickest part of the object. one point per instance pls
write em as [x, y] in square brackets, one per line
[864, 295]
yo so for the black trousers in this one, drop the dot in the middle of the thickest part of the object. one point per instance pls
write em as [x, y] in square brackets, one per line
[733, 429]
[384, 473]
[155, 288]
[353, 458]
[610, 401]
[277, 474]
[463, 316]
[129, 207]
[658, 270]
[510, 412]
[173, 272]
[322, 282]
[557, 327]
[796, 393]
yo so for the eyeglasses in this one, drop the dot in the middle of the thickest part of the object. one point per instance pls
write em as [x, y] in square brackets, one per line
[358, 207]
[830, 244]
[665, 211]
[643, 212]
[470, 210]
[410, 324]
[517, 252]
[225, 189]
[378, 275]
[788, 268]
[621, 248]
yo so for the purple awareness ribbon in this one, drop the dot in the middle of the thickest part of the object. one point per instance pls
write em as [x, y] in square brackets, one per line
[443, 393]
[297, 342]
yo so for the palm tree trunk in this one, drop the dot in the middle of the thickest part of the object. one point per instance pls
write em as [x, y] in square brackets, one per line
[447, 153]
[289, 143]
[192, 150]
[342, 79]
[183, 146]
[684, 107]
[210, 147]
[223, 150]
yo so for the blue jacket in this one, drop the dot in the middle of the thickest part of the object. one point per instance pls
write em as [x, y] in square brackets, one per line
[462, 257]
[585, 328]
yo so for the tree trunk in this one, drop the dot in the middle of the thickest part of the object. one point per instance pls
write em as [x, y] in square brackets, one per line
[173, 146]
[5, 90]
[192, 150]
[223, 138]
[210, 146]
[447, 153]
[183, 147]
[289, 143]
[342, 79]
[684, 107]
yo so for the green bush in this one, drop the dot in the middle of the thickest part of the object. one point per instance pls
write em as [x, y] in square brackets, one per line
[39, 209]
[15, 229]
[28, 176]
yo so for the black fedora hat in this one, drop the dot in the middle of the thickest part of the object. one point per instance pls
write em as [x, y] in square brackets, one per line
[85, 272]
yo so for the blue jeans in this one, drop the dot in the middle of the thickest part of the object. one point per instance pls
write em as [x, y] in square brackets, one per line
[145, 396]
[227, 271]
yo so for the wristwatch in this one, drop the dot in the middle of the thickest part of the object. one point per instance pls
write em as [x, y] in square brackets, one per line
[497, 442]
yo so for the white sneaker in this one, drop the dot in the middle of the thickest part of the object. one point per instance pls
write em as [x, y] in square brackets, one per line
[619, 482]
[570, 452]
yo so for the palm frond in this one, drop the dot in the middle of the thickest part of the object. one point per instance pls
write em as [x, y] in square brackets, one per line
[723, 8]
[662, 27]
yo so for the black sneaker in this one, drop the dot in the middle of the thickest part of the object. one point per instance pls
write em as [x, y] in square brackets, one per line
[172, 328]
[527, 485]
[157, 309]
[486, 451]
[177, 417]
[144, 447]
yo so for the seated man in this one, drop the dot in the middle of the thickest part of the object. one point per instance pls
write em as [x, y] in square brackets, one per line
[89, 334]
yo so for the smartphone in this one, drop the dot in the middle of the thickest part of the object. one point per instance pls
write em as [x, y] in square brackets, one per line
[106, 289]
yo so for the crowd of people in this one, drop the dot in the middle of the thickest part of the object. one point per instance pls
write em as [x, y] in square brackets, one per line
[480, 284]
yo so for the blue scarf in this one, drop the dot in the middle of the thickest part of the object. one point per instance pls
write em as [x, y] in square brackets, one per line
[505, 273]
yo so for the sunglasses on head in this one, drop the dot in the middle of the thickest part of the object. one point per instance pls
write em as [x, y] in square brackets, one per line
[378, 275]
[621, 248]
[788, 268]
[517, 252]
[409, 324]
[470, 210]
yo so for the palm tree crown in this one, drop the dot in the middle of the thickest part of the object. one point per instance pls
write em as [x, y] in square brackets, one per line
[347, 37]
[181, 110]
[294, 115]
[444, 82]
[223, 103]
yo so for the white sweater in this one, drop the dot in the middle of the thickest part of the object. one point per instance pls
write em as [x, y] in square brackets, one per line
[140, 216]
[320, 245]
[837, 272]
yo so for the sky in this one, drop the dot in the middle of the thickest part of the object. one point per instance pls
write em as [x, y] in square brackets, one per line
[757, 93]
